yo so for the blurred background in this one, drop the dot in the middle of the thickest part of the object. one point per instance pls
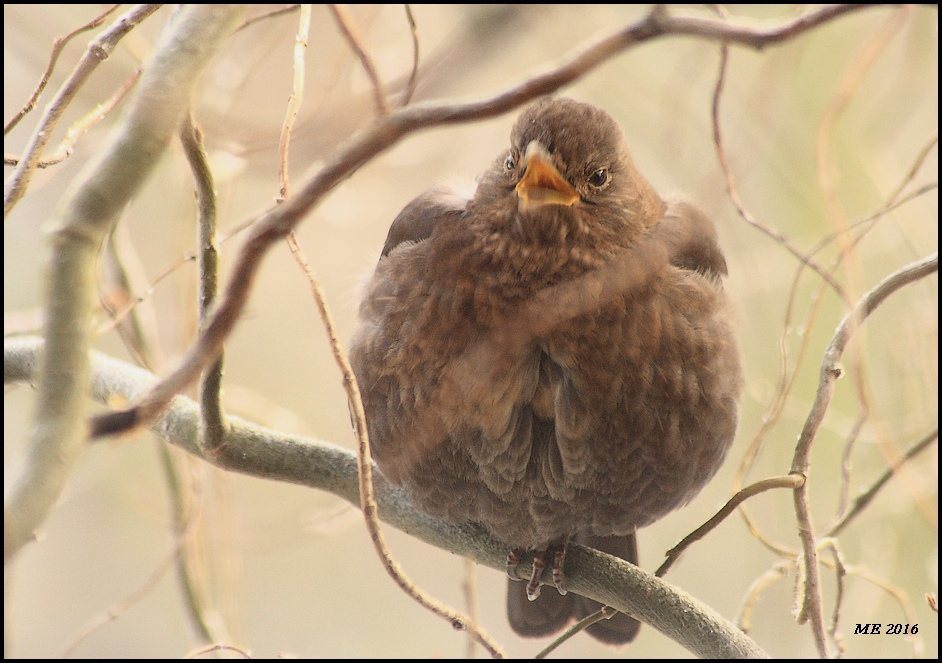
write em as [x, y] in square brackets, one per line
[291, 570]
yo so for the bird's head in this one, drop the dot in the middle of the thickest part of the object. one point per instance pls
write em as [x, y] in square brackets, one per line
[568, 182]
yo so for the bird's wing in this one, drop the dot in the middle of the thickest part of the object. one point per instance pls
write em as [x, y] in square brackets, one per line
[691, 240]
[649, 384]
[417, 219]
[394, 357]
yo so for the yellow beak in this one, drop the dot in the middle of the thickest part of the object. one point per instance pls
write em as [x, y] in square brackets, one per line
[542, 184]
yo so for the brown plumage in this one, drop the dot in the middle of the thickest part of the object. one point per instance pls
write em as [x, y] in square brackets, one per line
[552, 357]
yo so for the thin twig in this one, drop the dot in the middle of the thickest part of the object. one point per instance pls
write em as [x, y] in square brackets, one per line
[81, 126]
[186, 529]
[913, 171]
[866, 496]
[58, 45]
[138, 332]
[365, 466]
[99, 49]
[355, 39]
[846, 455]
[791, 481]
[778, 571]
[861, 65]
[893, 202]
[469, 588]
[774, 411]
[733, 191]
[118, 316]
[840, 573]
[267, 15]
[413, 77]
[605, 612]
[294, 101]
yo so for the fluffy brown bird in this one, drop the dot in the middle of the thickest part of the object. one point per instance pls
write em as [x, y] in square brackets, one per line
[551, 357]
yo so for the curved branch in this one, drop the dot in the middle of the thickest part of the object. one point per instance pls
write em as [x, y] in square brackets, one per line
[386, 131]
[801, 463]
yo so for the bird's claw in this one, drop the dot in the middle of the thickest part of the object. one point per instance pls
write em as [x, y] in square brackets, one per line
[558, 576]
[539, 565]
[513, 561]
[533, 586]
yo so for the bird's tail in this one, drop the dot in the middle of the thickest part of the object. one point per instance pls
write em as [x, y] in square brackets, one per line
[552, 611]
[621, 628]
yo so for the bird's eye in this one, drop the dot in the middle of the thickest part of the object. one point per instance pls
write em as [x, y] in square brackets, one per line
[510, 163]
[599, 178]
